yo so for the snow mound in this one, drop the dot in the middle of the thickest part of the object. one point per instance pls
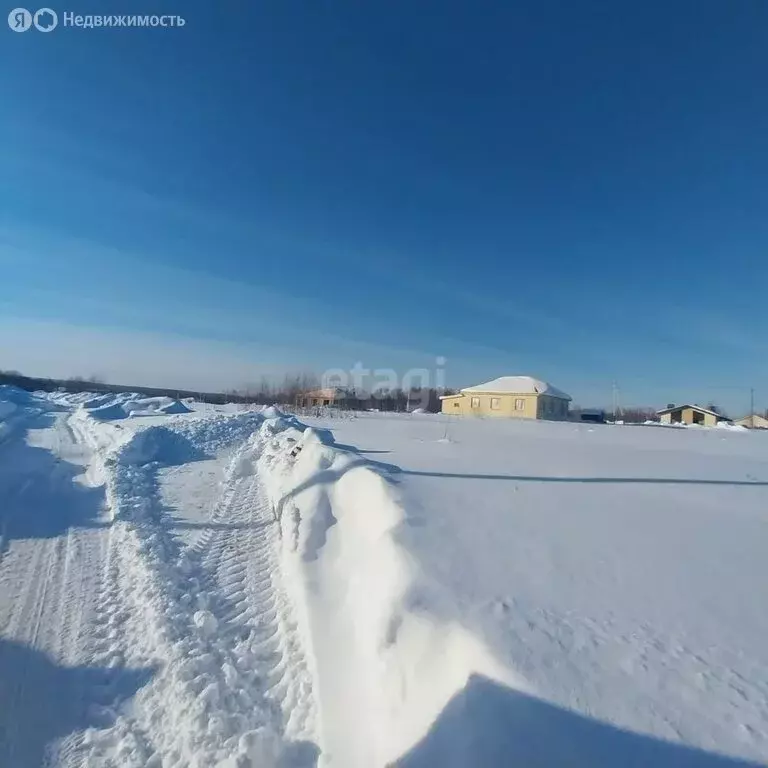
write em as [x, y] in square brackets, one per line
[731, 427]
[109, 412]
[161, 444]
[318, 436]
[91, 401]
[216, 433]
[10, 400]
[175, 406]
[13, 402]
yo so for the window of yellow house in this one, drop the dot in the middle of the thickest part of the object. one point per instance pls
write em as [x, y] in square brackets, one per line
[495, 403]
[520, 404]
[475, 402]
[456, 405]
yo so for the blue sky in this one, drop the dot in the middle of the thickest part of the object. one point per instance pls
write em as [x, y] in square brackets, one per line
[571, 190]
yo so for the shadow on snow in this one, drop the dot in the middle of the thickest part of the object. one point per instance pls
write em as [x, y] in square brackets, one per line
[392, 472]
[39, 494]
[41, 702]
[487, 725]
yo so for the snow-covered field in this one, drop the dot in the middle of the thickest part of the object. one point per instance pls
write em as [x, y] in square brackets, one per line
[192, 586]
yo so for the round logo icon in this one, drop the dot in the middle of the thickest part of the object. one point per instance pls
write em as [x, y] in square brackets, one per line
[20, 19]
[46, 20]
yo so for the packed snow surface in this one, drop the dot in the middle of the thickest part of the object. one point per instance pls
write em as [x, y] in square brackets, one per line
[619, 572]
[235, 589]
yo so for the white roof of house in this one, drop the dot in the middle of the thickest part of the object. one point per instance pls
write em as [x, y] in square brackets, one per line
[518, 385]
[694, 407]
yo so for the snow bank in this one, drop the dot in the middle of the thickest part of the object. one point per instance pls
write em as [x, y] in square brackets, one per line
[151, 406]
[731, 427]
[175, 406]
[219, 431]
[389, 655]
[14, 403]
[109, 412]
[90, 401]
[160, 444]
[7, 409]
[119, 405]
[9, 394]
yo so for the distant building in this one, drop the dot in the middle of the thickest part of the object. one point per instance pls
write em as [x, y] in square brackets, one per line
[592, 416]
[515, 397]
[329, 396]
[754, 421]
[690, 414]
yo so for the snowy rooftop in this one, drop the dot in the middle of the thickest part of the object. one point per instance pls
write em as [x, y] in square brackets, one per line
[695, 407]
[518, 385]
[327, 392]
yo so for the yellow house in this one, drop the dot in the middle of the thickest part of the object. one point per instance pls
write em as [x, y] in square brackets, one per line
[515, 397]
[754, 421]
[690, 414]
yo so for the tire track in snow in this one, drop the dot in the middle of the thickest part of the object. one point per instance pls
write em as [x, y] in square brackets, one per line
[49, 578]
[15, 731]
[29, 586]
[242, 561]
[231, 683]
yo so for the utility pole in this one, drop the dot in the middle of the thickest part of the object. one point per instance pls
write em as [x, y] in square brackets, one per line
[751, 401]
[615, 390]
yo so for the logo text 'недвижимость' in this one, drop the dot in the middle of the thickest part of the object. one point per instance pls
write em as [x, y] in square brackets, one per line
[46, 20]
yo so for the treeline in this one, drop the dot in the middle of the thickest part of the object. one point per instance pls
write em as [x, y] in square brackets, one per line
[96, 384]
[268, 391]
[265, 392]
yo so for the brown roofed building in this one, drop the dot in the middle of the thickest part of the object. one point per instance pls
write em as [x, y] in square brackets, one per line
[337, 397]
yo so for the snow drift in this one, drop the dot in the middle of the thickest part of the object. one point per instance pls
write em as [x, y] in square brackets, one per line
[14, 402]
[109, 412]
[175, 406]
[6, 409]
[389, 657]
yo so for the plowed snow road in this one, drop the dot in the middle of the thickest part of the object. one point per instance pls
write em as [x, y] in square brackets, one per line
[122, 641]
[53, 544]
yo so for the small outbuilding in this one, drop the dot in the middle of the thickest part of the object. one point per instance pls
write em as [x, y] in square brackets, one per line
[690, 414]
[592, 416]
[754, 421]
